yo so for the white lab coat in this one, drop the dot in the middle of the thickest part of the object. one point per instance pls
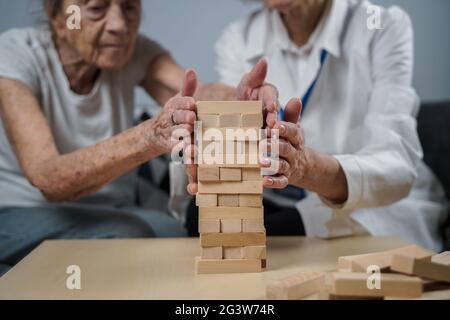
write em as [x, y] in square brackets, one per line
[362, 111]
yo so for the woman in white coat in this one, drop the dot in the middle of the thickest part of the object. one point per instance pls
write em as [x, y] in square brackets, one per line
[351, 65]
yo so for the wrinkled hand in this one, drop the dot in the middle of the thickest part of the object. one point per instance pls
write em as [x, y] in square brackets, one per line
[291, 162]
[254, 87]
[177, 118]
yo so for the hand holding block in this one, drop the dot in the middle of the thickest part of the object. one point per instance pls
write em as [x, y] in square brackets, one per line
[356, 284]
[421, 267]
[297, 286]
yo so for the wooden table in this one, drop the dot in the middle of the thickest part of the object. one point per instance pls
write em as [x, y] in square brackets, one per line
[164, 268]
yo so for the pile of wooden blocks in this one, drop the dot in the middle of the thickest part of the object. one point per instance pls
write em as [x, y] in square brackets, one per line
[410, 272]
[231, 214]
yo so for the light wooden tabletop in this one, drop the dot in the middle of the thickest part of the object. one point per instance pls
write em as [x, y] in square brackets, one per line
[164, 268]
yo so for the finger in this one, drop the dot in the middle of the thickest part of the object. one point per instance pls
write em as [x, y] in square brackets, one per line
[257, 76]
[277, 182]
[269, 96]
[289, 131]
[184, 117]
[189, 84]
[293, 110]
[192, 188]
[271, 119]
[183, 103]
[286, 151]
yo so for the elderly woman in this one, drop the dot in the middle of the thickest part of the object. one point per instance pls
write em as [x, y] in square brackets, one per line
[360, 169]
[67, 145]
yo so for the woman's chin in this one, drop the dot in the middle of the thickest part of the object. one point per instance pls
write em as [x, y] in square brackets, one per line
[112, 63]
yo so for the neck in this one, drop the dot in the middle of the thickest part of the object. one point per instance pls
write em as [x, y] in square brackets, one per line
[302, 20]
[81, 75]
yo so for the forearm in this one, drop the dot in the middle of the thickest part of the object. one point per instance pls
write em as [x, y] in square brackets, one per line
[74, 175]
[324, 176]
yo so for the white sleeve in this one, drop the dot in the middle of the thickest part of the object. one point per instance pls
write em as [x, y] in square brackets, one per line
[230, 62]
[385, 150]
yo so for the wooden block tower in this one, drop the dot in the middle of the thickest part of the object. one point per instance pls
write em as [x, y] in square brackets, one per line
[231, 215]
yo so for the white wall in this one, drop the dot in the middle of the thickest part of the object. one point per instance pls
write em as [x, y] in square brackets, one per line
[189, 28]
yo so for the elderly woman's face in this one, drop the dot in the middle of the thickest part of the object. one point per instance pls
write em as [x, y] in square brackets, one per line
[108, 31]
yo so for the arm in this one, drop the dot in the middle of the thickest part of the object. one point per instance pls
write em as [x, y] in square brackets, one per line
[384, 151]
[71, 176]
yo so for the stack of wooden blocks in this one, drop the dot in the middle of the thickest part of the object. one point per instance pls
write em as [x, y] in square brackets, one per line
[231, 214]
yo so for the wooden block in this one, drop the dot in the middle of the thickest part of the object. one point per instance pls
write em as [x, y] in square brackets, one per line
[230, 120]
[251, 174]
[232, 253]
[355, 284]
[228, 200]
[225, 147]
[253, 225]
[209, 120]
[254, 252]
[227, 266]
[209, 225]
[230, 174]
[360, 263]
[232, 187]
[230, 213]
[420, 267]
[231, 134]
[250, 200]
[297, 286]
[231, 226]
[442, 258]
[212, 253]
[206, 200]
[229, 107]
[252, 120]
[208, 173]
[264, 263]
[233, 239]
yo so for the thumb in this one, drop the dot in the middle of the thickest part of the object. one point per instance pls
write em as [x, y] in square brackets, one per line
[257, 76]
[293, 110]
[189, 84]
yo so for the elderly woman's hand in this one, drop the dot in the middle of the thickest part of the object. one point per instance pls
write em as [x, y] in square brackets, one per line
[176, 121]
[291, 165]
[254, 87]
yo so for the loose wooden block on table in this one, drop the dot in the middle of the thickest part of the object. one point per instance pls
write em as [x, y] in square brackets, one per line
[232, 253]
[232, 187]
[360, 263]
[250, 200]
[212, 253]
[208, 173]
[230, 174]
[355, 284]
[228, 200]
[230, 213]
[252, 120]
[206, 200]
[229, 107]
[231, 225]
[204, 266]
[230, 120]
[421, 267]
[442, 258]
[251, 174]
[254, 252]
[297, 286]
[233, 239]
[209, 120]
[209, 225]
[253, 225]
